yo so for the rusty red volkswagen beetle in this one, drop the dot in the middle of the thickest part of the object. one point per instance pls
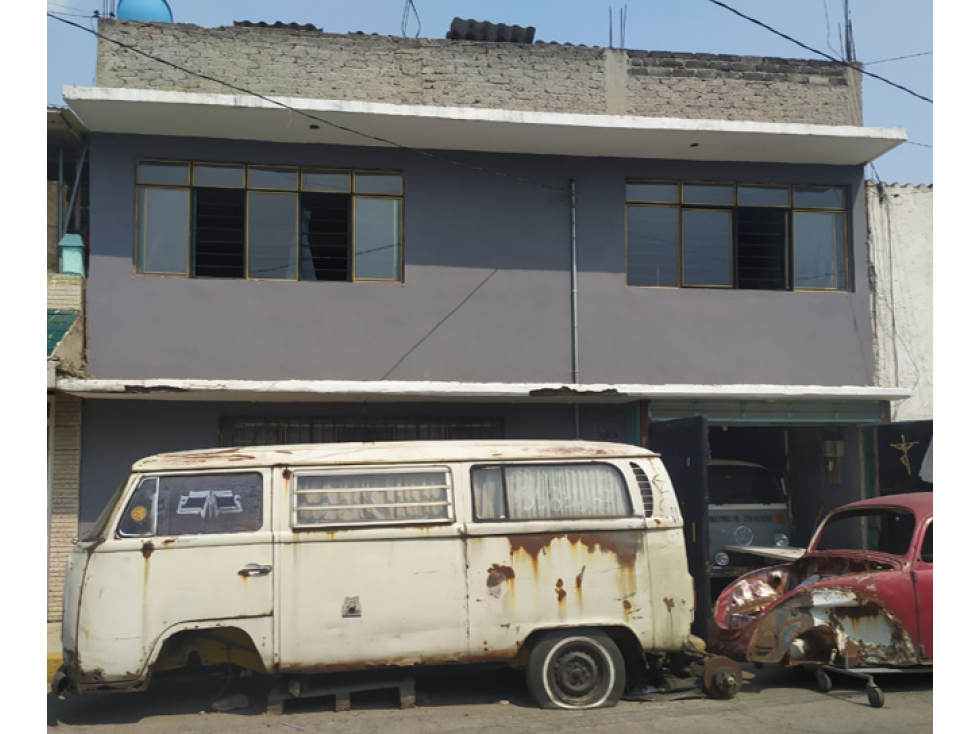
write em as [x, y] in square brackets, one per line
[858, 601]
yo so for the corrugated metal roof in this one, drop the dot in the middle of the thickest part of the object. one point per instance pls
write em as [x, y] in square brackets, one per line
[59, 321]
[473, 30]
[277, 24]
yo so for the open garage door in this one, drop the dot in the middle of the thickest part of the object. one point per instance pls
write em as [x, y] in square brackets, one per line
[683, 444]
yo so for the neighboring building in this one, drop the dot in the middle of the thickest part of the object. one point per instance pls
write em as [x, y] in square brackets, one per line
[67, 191]
[901, 249]
[565, 242]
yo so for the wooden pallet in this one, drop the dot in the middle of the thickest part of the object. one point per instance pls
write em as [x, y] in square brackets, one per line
[340, 690]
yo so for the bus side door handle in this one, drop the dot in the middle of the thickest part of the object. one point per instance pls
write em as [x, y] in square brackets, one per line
[254, 569]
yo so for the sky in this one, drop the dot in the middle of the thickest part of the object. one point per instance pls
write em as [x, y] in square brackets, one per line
[882, 29]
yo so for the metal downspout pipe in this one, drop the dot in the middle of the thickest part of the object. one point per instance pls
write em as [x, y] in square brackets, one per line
[574, 302]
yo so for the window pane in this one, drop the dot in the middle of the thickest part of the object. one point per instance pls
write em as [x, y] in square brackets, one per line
[283, 179]
[706, 247]
[884, 531]
[819, 197]
[330, 181]
[488, 493]
[820, 253]
[378, 183]
[651, 234]
[926, 546]
[273, 235]
[210, 504]
[657, 193]
[161, 172]
[343, 499]
[565, 492]
[324, 236]
[164, 230]
[377, 239]
[762, 237]
[139, 520]
[763, 195]
[227, 176]
[219, 233]
[708, 194]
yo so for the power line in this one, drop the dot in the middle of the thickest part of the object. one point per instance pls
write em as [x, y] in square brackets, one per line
[303, 113]
[920, 145]
[72, 15]
[897, 58]
[820, 53]
[72, 8]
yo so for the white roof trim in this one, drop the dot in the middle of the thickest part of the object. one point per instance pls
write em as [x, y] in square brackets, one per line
[416, 391]
[157, 112]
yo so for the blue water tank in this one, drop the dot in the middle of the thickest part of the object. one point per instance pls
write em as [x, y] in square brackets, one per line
[152, 10]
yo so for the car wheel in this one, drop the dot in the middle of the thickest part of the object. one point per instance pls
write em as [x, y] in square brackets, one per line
[875, 696]
[823, 682]
[568, 670]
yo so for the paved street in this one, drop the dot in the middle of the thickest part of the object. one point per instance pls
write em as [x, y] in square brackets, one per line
[472, 701]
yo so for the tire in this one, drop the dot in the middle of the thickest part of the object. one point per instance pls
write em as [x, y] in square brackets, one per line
[575, 670]
[875, 696]
[823, 682]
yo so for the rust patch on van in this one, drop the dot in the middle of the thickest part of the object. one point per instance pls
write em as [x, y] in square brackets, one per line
[625, 544]
[669, 604]
[498, 574]
[579, 579]
[147, 549]
[287, 474]
[626, 605]
[559, 588]
[487, 655]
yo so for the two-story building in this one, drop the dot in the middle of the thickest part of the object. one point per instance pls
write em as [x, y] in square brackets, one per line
[300, 236]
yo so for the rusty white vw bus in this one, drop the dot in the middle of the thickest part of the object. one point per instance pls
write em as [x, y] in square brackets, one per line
[564, 558]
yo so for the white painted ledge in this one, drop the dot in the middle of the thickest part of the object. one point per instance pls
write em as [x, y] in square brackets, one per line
[416, 391]
[245, 117]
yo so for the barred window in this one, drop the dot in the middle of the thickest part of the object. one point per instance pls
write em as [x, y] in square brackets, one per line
[743, 236]
[277, 431]
[419, 496]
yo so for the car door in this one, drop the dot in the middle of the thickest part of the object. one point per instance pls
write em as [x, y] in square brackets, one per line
[191, 550]
[923, 592]
[371, 568]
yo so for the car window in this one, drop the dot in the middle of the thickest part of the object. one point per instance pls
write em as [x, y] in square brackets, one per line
[742, 485]
[549, 492]
[926, 554]
[200, 504]
[422, 496]
[884, 531]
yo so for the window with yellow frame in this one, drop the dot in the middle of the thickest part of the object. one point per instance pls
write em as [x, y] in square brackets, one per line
[704, 234]
[266, 222]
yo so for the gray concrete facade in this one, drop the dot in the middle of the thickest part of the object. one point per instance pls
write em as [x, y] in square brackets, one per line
[486, 292]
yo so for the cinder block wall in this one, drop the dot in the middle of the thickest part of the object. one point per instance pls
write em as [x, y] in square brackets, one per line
[535, 77]
[66, 291]
[66, 460]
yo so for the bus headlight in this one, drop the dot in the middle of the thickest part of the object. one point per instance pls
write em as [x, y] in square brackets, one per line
[781, 540]
[722, 559]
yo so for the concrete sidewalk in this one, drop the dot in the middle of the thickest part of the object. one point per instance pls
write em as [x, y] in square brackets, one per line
[54, 648]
